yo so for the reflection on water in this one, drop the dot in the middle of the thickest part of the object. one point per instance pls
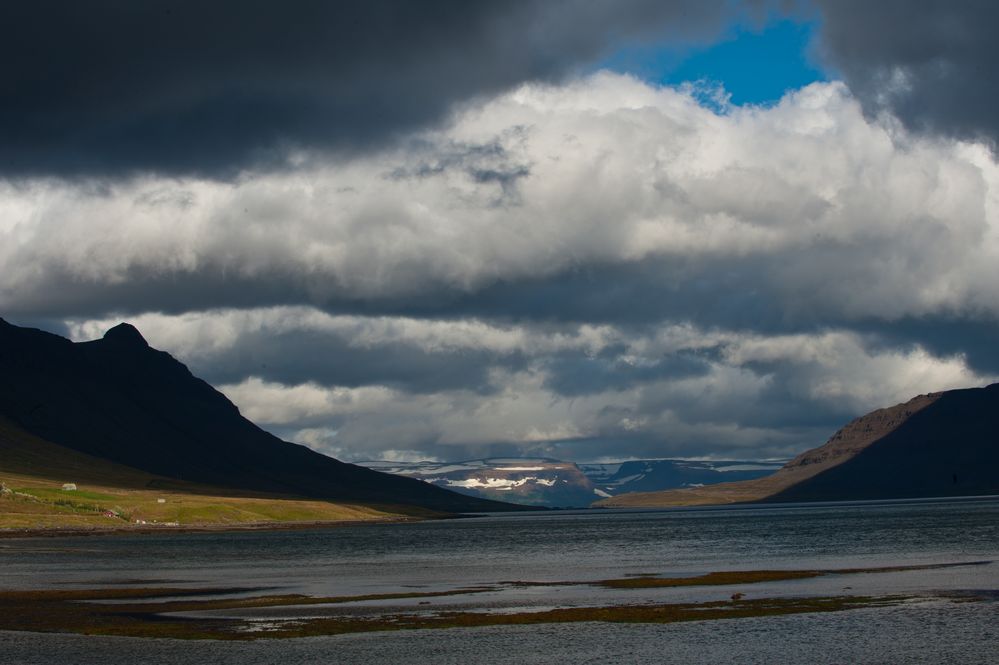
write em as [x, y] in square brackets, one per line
[558, 547]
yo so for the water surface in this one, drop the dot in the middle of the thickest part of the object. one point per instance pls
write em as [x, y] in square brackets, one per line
[559, 547]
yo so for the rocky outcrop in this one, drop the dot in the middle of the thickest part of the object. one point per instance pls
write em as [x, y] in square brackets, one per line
[857, 435]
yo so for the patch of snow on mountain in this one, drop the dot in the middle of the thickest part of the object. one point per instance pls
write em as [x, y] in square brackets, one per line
[488, 483]
[498, 483]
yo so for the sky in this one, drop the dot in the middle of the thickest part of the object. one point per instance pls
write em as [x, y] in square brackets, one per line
[581, 229]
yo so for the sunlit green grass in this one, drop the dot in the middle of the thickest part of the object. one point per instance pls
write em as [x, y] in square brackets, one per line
[34, 471]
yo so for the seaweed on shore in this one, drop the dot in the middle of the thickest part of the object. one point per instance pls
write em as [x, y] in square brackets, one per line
[76, 612]
[728, 577]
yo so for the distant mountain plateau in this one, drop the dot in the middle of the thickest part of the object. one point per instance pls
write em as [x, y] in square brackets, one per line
[560, 484]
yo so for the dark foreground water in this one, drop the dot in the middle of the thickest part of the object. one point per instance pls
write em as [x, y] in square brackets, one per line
[591, 545]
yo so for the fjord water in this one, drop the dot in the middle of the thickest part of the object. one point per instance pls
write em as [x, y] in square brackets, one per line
[564, 546]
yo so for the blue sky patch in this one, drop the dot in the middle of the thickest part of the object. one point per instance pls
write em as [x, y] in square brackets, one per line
[754, 65]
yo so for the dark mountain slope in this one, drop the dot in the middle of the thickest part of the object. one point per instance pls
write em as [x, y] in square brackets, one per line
[23, 454]
[118, 399]
[941, 444]
[948, 448]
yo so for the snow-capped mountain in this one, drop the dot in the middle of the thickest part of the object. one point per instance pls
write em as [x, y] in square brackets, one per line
[530, 481]
[557, 483]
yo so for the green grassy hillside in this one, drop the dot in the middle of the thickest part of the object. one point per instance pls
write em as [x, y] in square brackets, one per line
[113, 496]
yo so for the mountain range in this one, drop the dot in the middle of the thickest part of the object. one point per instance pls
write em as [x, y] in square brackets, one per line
[556, 483]
[115, 407]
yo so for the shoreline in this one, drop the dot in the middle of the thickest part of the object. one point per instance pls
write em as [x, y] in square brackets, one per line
[150, 529]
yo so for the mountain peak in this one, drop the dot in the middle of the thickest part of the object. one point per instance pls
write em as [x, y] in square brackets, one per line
[120, 400]
[126, 333]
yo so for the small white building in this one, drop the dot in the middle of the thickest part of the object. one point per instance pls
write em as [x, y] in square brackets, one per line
[69, 487]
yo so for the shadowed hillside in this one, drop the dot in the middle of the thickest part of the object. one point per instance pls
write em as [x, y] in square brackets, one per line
[949, 448]
[46, 486]
[942, 444]
[120, 400]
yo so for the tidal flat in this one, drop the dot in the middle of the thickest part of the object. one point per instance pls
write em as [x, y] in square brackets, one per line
[857, 580]
[208, 613]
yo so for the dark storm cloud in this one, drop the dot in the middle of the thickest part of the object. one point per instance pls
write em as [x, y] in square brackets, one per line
[572, 375]
[734, 293]
[773, 446]
[60, 294]
[728, 294]
[932, 63]
[331, 359]
[714, 292]
[426, 449]
[975, 340]
[191, 87]
[780, 402]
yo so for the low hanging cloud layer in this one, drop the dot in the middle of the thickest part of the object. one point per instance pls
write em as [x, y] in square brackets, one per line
[565, 203]
[572, 391]
[414, 246]
[598, 269]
